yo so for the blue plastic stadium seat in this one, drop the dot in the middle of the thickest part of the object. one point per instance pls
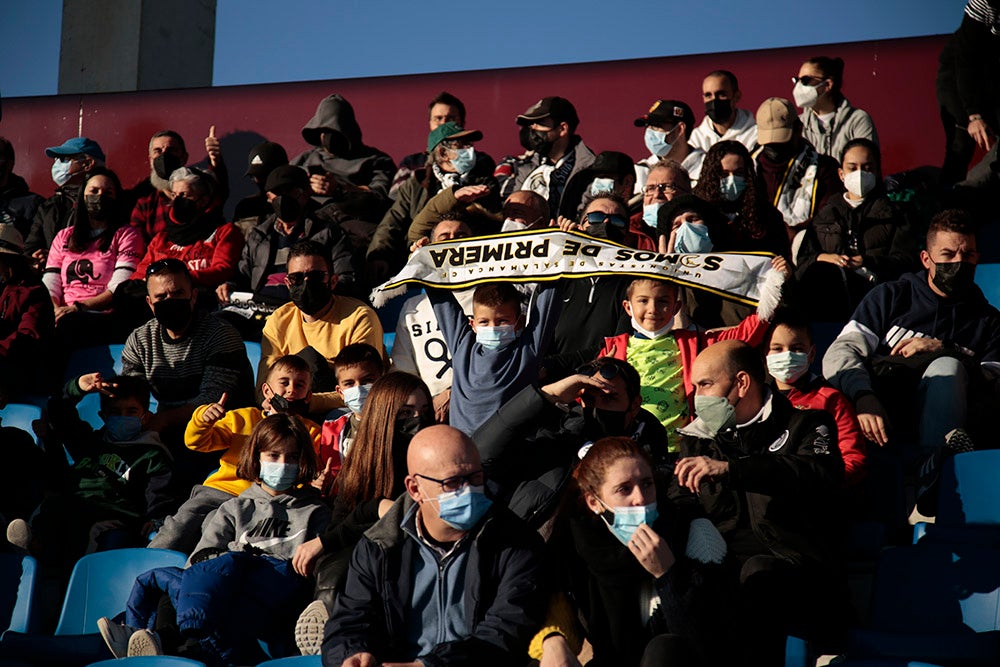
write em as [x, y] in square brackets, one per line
[388, 340]
[20, 415]
[17, 590]
[295, 661]
[988, 279]
[149, 661]
[968, 500]
[253, 354]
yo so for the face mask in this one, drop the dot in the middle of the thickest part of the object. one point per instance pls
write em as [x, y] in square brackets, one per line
[60, 172]
[297, 406]
[409, 426]
[311, 296]
[278, 476]
[496, 338]
[122, 429]
[657, 142]
[719, 110]
[650, 213]
[464, 160]
[173, 314]
[602, 186]
[692, 238]
[165, 164]
[788, 366]
[605, 423]
[513, 226]
[859, 183]
[183, 210]
[779, 152]
[354, 397]
[463, 509]
[716, 412]
[605, 231]
[626, 520]
[805, 96]
[335, 143]
[732, 186]
[99, 207]
[287, 208]
[954, 278]
[539, 142]
[652, 335]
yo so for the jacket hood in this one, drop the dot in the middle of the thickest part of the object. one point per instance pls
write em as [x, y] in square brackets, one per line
[333, 113]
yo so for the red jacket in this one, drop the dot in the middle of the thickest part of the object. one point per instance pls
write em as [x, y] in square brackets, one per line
[212, 261]
[751, 331]
[818, 395]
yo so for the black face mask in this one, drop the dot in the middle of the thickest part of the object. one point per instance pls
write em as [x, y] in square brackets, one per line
[165, 164]
[780, 152]
[173, 314]
[287, 208]
[99, 207]
[539, 142]
[184, 210]
[954, 278]
[298, 406]
[604, 423]
[409, 426]
[524, 137]
[719, 110]
[335, 143]
[310, 297]
[606, 231]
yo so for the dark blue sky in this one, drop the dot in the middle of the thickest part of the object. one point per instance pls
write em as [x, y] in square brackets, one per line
[263, 41]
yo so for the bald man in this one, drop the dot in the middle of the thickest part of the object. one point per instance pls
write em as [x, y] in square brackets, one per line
[445, 577]
[767, 475]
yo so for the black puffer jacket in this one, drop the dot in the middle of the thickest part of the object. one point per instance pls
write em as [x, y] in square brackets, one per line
[18, 204]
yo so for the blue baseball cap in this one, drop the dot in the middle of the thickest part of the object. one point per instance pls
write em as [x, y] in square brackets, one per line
[76, 146]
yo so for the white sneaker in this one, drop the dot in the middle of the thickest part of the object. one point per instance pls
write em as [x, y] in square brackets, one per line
[19, 535]
[144, 642]
[115, 635]
[309, 628]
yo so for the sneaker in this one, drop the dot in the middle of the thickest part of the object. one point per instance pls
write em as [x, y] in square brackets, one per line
[19, 535]
[144, 642]
[115, 635]
[309, 628]
[958, 441]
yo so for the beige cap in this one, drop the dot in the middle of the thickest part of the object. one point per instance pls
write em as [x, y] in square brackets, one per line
[775, 121]
[11, 240]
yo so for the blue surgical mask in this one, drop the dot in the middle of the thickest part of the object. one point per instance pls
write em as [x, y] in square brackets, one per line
[787, 366]
[122, 428]
[496, 338]
[732, 186]
[602, 186]
[278, 476]
[628, 519]
[464, 160]
[657, 142]
[716, 412]
[650, 213]
[354, 397]
[60, 172]
[692, 238]
[463, 509]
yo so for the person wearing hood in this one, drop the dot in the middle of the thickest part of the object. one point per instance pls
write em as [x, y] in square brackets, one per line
[856, 241]
[264, 158]
[196, 232]
[72, 164]
[668, 127]
[151, 213]
[18, 204]
[342, 168]
[453, 164]
[926, 345]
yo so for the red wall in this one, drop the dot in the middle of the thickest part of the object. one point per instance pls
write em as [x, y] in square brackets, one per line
[893, 80]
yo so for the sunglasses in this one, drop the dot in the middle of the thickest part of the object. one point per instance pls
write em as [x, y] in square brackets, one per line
[169, 265]
[299, 276]
[597, 218]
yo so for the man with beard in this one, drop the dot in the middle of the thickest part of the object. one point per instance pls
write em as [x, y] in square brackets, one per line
[531, 444]
[723, 120]
[317, 324]
[167, 154]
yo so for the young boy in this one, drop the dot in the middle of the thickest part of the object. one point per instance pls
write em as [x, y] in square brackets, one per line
[496, 353]
[117, 486]
[212, 428]
[664, 355]
[357, 367]
[790, 352]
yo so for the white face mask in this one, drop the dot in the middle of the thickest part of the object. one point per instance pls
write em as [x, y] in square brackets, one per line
[859, 183]
[805, 96]
[513, 226]
[652, 335]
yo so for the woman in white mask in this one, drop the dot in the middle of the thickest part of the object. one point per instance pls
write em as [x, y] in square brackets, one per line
[857, 240]
[643, 576]
[828, 119]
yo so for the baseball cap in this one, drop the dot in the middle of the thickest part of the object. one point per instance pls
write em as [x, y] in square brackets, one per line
[264, 157]
[76, 146]
[667, 111]
[558, 109]
[775, 121]
[286, 176]
[450, 130]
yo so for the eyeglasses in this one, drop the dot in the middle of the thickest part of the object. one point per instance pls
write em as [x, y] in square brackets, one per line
[169, 265]
[597, 218]
[808, 80]
[660, 188]
[68, 158]
[457, 482]
[299, 276]
[455, 145]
